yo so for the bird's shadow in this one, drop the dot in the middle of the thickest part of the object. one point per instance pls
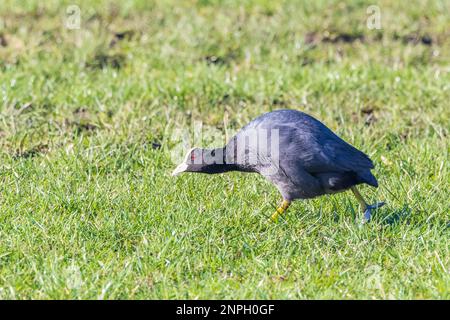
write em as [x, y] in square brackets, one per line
[392, 217]
[404, 215]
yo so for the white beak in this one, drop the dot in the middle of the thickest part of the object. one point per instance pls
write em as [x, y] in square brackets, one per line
[181, 168]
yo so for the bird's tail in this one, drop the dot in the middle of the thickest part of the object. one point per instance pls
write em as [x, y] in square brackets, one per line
[368, 177]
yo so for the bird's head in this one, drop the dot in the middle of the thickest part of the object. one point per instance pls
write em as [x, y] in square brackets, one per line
[200, 160]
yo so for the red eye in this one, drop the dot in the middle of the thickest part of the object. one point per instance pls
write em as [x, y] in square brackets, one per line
[192, 157]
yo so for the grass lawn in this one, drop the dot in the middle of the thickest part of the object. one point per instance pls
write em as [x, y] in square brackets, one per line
[90, 125]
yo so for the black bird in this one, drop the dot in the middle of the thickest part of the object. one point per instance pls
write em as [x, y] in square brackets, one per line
[296, 152]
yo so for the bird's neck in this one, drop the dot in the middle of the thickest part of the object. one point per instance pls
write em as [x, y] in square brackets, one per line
[220, 164]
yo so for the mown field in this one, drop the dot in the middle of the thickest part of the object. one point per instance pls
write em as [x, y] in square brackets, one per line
[90, 121]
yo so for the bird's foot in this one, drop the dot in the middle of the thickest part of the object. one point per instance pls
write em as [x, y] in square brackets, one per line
[274, 217]
[368, 211]
[280, 210]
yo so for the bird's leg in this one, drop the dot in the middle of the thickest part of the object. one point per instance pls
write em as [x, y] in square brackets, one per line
[282, 208]
[366, 207]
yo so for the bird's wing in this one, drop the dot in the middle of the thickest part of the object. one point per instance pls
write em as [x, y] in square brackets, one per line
[325, 152]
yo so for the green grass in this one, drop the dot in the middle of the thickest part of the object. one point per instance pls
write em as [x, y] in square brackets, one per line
[88, 208]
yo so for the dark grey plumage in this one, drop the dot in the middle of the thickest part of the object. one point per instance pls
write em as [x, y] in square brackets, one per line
[313, 160]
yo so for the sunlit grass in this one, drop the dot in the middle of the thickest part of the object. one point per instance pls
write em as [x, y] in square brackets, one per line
[88, 208]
